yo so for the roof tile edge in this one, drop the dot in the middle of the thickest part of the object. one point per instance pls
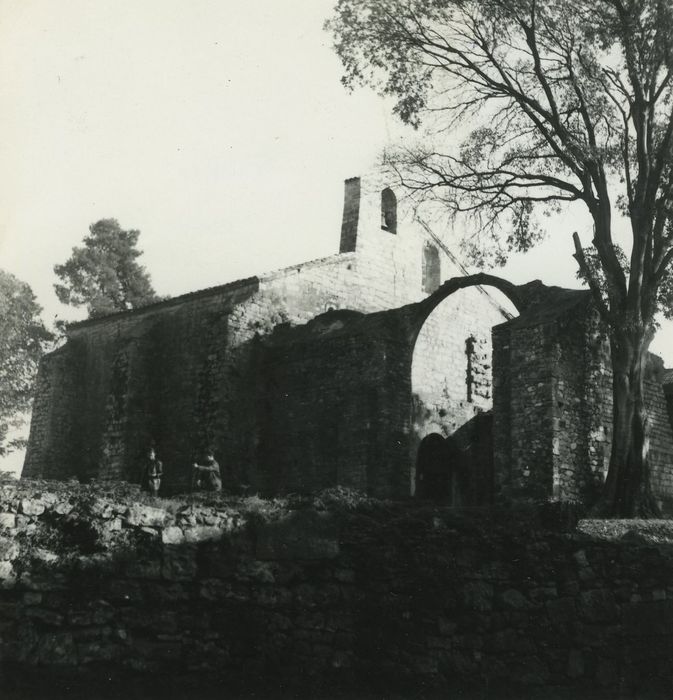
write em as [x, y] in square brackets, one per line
[166, 303]
[236, 284]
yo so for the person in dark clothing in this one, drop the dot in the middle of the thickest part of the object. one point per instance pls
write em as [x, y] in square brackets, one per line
[206, 476]
[153, 470]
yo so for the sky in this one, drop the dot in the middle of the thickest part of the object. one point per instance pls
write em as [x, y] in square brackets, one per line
[219, 129]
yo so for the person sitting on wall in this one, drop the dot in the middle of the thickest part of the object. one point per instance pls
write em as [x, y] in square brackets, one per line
[153, 470]
[207, 476]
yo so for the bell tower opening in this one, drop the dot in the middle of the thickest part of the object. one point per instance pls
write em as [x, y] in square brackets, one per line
[388, 210]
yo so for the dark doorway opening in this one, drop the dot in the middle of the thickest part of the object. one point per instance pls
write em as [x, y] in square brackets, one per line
[437, 470]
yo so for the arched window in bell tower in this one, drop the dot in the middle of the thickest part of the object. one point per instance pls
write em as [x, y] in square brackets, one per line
[388, 210]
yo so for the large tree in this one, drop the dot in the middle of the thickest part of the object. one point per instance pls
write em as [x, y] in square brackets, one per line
[104, 273]
[559, 101]
[23, 338]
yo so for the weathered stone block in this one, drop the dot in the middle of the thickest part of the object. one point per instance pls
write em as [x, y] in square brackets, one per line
[145, 516]
[45, 555]
[32, 507]
[7, 574]
[8, 520]
[63, 507]
[202, 533]
[114, 525]
[9, 549]
[172, 535]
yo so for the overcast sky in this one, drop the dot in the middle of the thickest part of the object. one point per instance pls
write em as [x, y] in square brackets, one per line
[218, 128]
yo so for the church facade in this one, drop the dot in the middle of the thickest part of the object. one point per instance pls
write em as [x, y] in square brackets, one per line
[360, 369]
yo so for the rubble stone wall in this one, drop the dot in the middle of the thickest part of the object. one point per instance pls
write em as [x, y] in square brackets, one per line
[582, 413]
[553, 410]
[521, 412]
[340, 591]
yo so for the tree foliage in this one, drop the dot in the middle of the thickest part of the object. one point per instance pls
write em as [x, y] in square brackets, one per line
[104, 273]
[561, 101]
[23, 338]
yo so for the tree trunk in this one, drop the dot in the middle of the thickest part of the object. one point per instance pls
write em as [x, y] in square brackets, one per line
[627, 492]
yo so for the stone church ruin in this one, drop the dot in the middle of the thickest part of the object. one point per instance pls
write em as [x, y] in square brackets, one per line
[361, 369]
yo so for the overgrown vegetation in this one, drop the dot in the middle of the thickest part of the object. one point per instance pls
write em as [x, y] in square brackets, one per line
[23, 339]
[104, 274]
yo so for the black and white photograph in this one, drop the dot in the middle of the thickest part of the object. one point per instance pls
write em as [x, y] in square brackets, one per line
[336, 350]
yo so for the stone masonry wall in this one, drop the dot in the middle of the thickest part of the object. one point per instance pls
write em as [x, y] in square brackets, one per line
[553, 409]
[598, 398]
[336, 593]
[661, 452]
[577, 475]
[165, 376]
[583, 413]
[52, 425]
[502, 418]
[522, 411]
[334, 407]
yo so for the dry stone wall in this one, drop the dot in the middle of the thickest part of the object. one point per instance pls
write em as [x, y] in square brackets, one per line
[336, 592]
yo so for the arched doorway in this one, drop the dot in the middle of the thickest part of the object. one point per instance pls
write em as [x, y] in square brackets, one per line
[451, 388]
[432, 468]
[438, 471]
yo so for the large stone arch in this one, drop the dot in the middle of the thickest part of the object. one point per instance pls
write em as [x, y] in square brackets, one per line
[519, 295]
[449, 359]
